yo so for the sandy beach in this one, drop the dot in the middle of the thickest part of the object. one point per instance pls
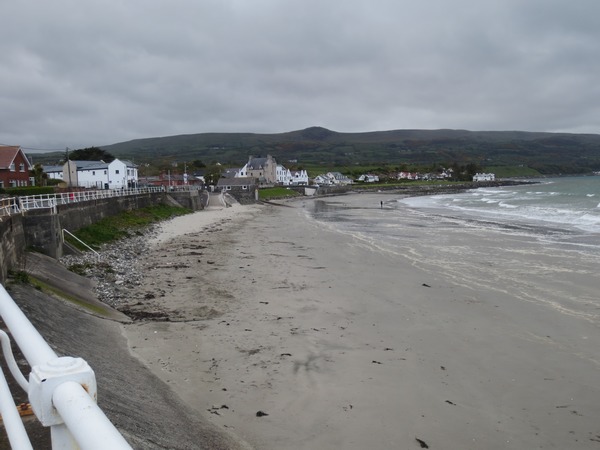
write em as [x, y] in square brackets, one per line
[293, 336]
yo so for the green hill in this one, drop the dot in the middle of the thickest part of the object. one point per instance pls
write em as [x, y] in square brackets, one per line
[547, 153]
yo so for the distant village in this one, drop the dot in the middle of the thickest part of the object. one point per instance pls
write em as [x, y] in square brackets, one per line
[16, 171]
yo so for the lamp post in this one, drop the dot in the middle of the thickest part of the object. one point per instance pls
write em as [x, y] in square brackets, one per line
[69, 167]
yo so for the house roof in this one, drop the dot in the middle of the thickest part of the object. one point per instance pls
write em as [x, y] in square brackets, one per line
[239, 181]
[229, 173]
[90, 165]
[257, 163]
[99, 165]
[128, 163]
[50, 169]
[8, 153]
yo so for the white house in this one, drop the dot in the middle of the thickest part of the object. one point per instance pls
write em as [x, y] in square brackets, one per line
[368, 178]
[53, 172]
[100, 175]
[284, 176]
[408, 176]
[332, 178]
[300, 178]
[484, 177]
[338, 178]
[322, 180]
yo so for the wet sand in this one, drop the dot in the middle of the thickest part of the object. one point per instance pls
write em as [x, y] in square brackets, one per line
[292, 336]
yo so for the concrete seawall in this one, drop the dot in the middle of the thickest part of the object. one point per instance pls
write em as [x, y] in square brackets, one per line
[12, 245]
[41, 229]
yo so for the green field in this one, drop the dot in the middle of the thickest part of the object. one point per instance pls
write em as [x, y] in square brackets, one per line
[276, 192]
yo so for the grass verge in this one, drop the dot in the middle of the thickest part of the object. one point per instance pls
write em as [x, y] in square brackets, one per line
[47, 289]
[276, 192]
[123, 225]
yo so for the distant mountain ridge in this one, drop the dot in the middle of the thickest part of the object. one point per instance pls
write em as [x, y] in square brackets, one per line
[544, 151]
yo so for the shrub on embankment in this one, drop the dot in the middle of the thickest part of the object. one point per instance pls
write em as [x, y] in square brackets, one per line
[27, 190]
[124, 224]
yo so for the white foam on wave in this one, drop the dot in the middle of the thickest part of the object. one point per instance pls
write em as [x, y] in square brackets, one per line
[534, 207]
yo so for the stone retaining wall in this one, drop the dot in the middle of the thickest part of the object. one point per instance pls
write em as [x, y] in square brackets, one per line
[12, 245]
[41, 229]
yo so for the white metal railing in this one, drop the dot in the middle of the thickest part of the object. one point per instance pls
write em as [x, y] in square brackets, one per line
[51, 200]
[16, 205]
[9, 206]
[61, 390]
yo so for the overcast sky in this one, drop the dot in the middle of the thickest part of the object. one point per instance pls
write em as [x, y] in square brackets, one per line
[82, 73]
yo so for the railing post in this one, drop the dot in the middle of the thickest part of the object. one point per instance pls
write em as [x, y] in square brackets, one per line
[13, 425]
[45, 378]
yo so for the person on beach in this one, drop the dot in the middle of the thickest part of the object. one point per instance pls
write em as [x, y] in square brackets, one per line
[381, 203]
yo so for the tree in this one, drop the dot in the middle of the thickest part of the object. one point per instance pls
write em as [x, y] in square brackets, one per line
[90, 154]
[212, 175]
[39, 175]
[471, 170]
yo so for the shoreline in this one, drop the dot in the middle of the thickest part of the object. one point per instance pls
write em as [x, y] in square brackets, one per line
[422, 189]
[291, 335]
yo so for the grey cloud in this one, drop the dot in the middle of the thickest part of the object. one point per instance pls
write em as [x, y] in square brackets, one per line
[97, 72]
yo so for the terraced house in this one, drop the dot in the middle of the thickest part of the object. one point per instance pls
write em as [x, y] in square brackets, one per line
[14, 167]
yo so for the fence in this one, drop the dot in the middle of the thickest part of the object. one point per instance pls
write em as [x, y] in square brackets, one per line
[15, 205]
[61, 390]
[9, 206]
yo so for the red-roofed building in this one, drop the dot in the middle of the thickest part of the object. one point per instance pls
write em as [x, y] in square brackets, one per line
[14, 167]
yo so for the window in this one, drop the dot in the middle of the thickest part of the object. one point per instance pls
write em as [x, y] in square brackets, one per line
[11, 167]
[1, 184]
[21, 167]
[117, 171]
[105, 172]
[93, 172]
[244, 188]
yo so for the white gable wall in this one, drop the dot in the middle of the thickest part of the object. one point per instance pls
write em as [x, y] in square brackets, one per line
[284, 176]
[93, 177]
[300, 177]
[116, 175]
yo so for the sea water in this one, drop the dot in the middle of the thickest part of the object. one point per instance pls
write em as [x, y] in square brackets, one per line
[565, 203]
[537, 243]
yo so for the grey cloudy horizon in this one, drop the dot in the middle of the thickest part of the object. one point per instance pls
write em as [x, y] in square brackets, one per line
[79, 74]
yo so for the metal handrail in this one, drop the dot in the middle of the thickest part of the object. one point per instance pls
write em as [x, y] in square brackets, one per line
[10, 361]
[9, 206]
[15, 430]
[64, 230]
[45, 201]
[61, 390]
